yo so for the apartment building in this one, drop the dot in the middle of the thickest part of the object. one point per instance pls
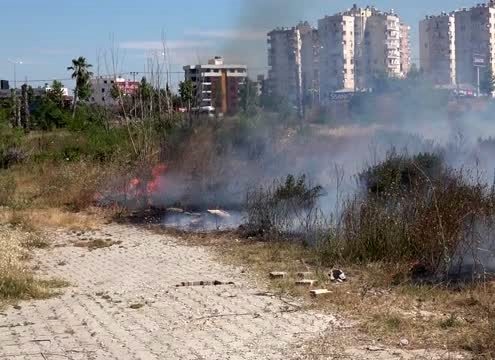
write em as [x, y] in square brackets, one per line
[102, 87]
[437, 37]
[362, 46]
[336, 35]
[384, 42]
[216, 85]
[358, 45]
[285, 64]
[475, 39]
[405, 49]
[310, 64]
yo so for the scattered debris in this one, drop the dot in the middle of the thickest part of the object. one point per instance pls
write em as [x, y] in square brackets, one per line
[204, 283]
[337, 275]
[404, 342]
[306, 282]
[319, 292]
[375, 348]
[136, 306]
[227, 295]
[220, 213]
[278, 275]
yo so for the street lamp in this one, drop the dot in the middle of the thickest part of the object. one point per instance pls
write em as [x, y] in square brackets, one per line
[15, 63]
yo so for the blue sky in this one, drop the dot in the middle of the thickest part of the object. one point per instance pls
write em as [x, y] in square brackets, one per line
[47, 34]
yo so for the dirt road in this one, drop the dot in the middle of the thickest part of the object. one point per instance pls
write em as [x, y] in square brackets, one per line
[124, 304]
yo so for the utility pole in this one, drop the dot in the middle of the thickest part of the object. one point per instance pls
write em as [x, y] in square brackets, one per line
[24, 108]
[17, 118]
[134, 73]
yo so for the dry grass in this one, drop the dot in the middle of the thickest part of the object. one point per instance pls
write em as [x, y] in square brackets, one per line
[17, 282]
[429, 317]
[71, 185]
[55, 218]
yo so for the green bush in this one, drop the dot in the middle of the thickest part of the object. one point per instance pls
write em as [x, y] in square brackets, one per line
[402, 172]
[284, 208]
[11, 141]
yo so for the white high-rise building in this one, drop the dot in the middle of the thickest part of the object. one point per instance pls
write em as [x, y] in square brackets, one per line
[405, 49]
[438, 48]
[284, 61]
[336, 54]
[345, 53]
[359, 45]
[362, 44]
[384, 44]
[475, 39]
[310, 65]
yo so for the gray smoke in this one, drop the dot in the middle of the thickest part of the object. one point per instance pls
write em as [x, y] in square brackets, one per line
[254, 20]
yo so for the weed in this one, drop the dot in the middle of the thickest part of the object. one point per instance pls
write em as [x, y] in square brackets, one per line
[449, 322]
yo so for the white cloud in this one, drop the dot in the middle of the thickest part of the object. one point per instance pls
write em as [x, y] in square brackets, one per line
[245, 34]
[158, 45]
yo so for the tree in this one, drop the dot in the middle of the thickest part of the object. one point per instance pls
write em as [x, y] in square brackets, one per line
[82, 75]
[487, 82]
[186, 92]
[249, 98]
[56, 93]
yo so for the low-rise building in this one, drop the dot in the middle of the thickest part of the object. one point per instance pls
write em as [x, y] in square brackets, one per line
[216, 85]
[102, 89]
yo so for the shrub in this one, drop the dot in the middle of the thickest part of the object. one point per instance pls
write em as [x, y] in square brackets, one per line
[427, 215]
[402, 172]
[285, 208]
[10, 146]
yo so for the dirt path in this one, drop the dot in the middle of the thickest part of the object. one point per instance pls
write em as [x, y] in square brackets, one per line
[124, 305]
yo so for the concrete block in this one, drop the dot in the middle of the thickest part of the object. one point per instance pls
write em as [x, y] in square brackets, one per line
[319, 292]
[306, 282]
[278, 275]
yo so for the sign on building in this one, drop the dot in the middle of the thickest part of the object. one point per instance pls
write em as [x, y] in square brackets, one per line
[479, 60]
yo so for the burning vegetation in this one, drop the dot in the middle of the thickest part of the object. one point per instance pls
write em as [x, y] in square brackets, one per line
[424, 211]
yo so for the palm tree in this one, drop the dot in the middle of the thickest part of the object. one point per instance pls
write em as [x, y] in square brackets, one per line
[80, 73]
